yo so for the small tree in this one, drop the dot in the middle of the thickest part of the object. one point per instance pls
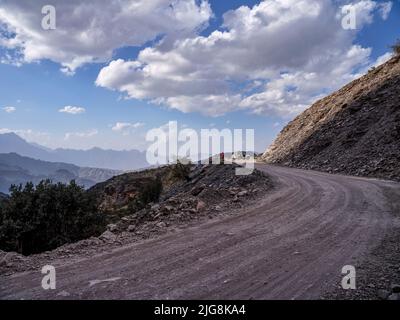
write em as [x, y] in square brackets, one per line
[180, 170]
[150, 192]
[36, 219]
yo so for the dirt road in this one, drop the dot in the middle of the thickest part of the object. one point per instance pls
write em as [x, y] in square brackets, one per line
[293, 246]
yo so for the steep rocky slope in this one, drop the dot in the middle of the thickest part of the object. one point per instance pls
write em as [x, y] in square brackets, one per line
[177, 190]
[355, 130]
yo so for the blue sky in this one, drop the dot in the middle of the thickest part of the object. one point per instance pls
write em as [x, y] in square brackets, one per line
[36, 88]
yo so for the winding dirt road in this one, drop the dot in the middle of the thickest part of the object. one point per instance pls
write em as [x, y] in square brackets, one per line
[293, 246]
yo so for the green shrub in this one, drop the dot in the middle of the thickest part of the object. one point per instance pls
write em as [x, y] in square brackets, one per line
[41, 218]
[180, 171]
[150, 192]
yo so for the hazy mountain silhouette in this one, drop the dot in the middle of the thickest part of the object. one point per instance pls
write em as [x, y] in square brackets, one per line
[16, 169]
[96, 157]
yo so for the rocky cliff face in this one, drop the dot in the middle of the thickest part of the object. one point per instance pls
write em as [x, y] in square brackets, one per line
[355, 130]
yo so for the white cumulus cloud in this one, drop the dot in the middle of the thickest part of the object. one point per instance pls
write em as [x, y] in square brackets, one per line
[89, 31]
[126, 127]
[9, 109]
[72, 110]
[274, 58]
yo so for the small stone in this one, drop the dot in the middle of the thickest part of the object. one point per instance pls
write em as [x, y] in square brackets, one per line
[112, 227]
[201, 205]
[131, 228]
[394, 297]
[63, 294]
[383, 294]
[161, 225]
[197, 190]
[242, 193]
[107, 236]
[395, 288]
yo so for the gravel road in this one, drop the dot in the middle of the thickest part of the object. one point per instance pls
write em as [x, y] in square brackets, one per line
[293, 245]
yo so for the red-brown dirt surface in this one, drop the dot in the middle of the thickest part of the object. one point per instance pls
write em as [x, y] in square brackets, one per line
[290, 245]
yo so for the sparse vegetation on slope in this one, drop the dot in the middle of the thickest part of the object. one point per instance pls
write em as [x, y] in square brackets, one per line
[130, 207]
[202, 191]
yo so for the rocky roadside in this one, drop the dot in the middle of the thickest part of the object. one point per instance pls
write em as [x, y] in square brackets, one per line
[377, 276]
[212, 192]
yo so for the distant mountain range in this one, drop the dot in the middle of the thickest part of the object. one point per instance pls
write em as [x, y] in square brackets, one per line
[16, 169]
[95, 158]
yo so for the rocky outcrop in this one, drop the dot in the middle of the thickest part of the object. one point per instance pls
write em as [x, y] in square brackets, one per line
[354, 131]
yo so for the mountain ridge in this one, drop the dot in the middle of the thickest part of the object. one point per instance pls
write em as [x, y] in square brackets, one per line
[16, 169]
[95, 157]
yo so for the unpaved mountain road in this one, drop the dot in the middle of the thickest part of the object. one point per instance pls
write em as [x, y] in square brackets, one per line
[293, 246]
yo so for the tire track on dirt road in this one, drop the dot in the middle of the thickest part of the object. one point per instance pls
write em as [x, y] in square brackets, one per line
[292, 245]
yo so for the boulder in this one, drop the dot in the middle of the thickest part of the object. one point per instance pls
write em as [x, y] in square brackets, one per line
[161, 224]
[395, 288]
[383, 294]
[63, 294]
[201, 205]
[108, 236]
[394, 297]
[112, 227]
[197, 190]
